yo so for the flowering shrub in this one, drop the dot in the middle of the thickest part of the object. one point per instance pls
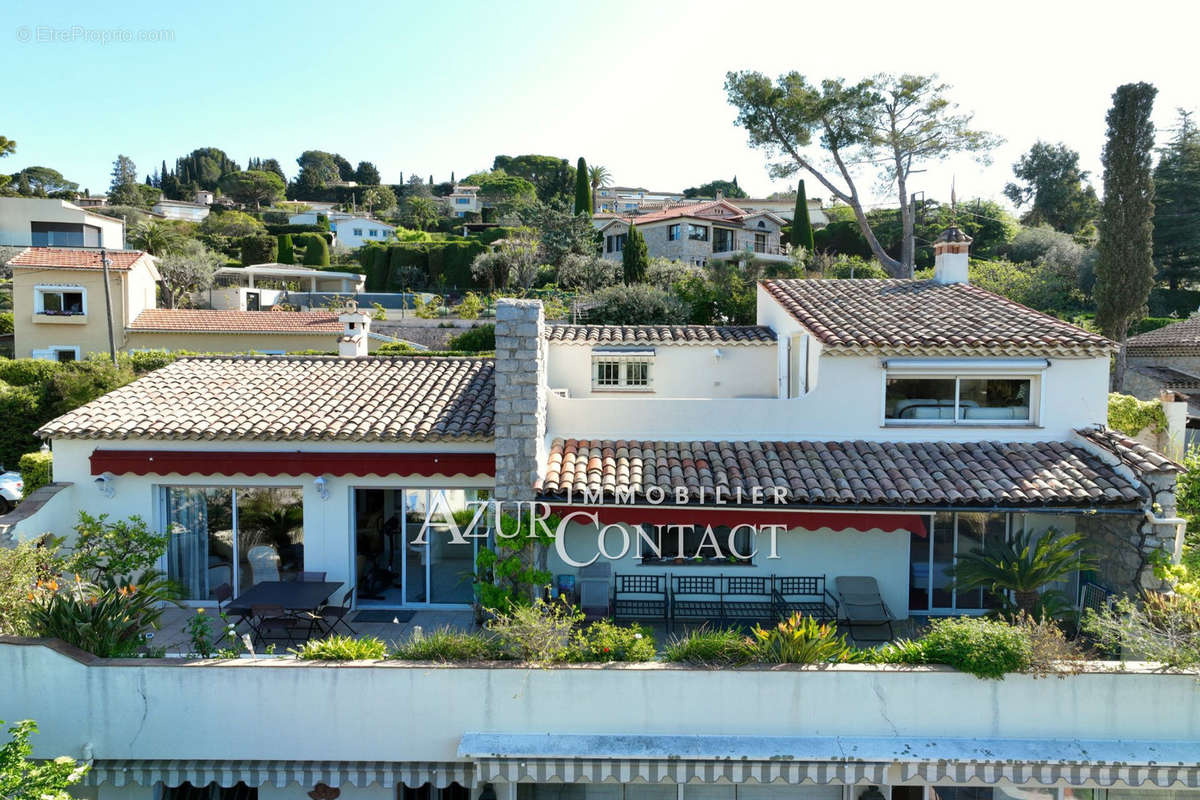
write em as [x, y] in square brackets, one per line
[342, 648]
[204, 645]
[607, 641]
[986, 648]
[801, 640]
[109, 618]
[539, 633]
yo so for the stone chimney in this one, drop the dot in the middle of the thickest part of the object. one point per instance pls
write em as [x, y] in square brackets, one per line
[720, 195]
[356, 327]
[520, 397]
[951, 252]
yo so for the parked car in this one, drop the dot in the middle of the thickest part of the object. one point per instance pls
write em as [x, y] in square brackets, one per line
[12, 489]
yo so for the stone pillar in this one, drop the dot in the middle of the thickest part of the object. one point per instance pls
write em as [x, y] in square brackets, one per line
[520, 397]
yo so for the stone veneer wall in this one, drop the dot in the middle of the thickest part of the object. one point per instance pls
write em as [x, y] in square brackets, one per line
[520, 397]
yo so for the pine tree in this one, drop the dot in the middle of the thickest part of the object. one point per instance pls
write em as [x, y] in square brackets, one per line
[1177, 205]
[801, 234]
[286, 254]
[634, 258]
[124, 172]
[1124, 264]
[583, 189]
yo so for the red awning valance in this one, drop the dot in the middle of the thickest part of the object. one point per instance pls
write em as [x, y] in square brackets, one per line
[857, 520]
[234, 462]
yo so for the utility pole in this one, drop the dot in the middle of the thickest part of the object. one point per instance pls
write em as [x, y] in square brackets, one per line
[112, 342]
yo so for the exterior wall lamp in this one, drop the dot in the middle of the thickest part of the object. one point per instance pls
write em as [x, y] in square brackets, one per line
[322, 487]
[104, 484]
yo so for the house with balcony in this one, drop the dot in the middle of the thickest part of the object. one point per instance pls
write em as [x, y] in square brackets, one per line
[462, 200]
[48, 222]
[183, 209]
[699, 233]
[861, 428]
[59, 310]
[258, 287]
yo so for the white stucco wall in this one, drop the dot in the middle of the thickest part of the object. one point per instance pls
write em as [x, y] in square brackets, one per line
[287, 710]
[678, 371]
[16, 214]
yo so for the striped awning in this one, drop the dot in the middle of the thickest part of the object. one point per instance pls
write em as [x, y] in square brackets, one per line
[619, 770]
[279, 773]
[1048, 774]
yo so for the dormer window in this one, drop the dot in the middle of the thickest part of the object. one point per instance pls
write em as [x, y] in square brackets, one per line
[615, 370]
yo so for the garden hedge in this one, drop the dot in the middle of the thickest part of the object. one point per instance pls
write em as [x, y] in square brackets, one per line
[37, 470]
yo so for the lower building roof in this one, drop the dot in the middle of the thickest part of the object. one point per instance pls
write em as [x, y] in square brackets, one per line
[892, 474]
[1139, 457]
[660, 334]
[294, 398]
[195, 320]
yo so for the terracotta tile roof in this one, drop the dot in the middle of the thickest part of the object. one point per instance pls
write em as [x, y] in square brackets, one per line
[889, 316]
[1177, 334]
[660, 334]
[74, 259]
[1132, 453]
[704, 210]
[190, 320]
[1169, 378]
[851, 473]
[294, 398]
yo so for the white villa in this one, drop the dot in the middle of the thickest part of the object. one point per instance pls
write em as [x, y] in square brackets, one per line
[257, 287]
[698, 233]
[861, 427]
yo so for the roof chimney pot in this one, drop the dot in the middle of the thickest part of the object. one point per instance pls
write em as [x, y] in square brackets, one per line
[951, 255]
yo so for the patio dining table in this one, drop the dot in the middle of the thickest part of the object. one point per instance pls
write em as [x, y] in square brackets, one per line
[292, 595]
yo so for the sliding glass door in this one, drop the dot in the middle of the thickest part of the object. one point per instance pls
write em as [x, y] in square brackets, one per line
[236, 536]
[398, 566]
[933, 553]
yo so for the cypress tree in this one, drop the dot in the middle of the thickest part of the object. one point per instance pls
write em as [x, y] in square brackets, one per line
[634, 258]
[1177, 206]
[1124, 263]
[801, 234]
[316, 253]
[583, 189]
[286, 254]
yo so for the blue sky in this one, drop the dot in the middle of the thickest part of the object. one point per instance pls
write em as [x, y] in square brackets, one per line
[637, 86]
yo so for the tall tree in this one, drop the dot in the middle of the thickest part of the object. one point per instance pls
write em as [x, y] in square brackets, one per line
[420, 212]
[379, 198]
[551, 177]
[598, 176]
[366, 174]
[634, 257]
[1177, 205]
[801, 234]
[583, 189]
[1055, 188]
[45, 182]
[1124, 263]
[895, 123]
[317, 169]
[252, 187]
[124, 171]
[729, 189]
[7, 147]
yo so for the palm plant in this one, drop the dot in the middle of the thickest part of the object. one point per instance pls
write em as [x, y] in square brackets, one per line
[598, 176]
[1024, 565]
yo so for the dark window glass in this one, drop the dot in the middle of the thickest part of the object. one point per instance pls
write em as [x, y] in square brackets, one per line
[920, 398]
[993, 399]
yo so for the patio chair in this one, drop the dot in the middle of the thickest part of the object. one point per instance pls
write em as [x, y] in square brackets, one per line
[223, 594]
[310, 577]
[329, 617]
[272, 622]
[264, 564]
[862, 603]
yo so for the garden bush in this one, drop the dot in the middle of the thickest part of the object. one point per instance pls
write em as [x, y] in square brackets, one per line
[37, 470]
[342, 648]
[449, 644]
[6, 322]
[639, 304]
[477, 340]
[901, 651]
[1160, 628]
[538, 633]
[23, 566]
[986, 648]
[108, 618]
[263, 249]
[800, 640]
[1181, 303]
[606, 641]
[316, 251]
[723, 647]
[21, 410]
[471, 307]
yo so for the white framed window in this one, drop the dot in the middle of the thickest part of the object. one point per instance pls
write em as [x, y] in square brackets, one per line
[60, 353]
[622, 370]
[60, 301]
[358, 231]
[962, 391]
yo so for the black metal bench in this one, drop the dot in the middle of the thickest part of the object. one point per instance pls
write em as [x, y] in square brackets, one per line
[696, 597]
[748, 598]
[804, 594]
[728, 598]
[640, 596]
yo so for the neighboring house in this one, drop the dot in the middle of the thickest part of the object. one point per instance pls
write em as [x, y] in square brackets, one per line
[92, 201]
[59, 311]
[786, 209]
[698, 233]
[633, 199]
[463, 200]
[182, 209]
[1167, 361]
[58, 300]
[204, 197]
[862, 428]
[46, 222]
[355, 231]
[260, 286]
